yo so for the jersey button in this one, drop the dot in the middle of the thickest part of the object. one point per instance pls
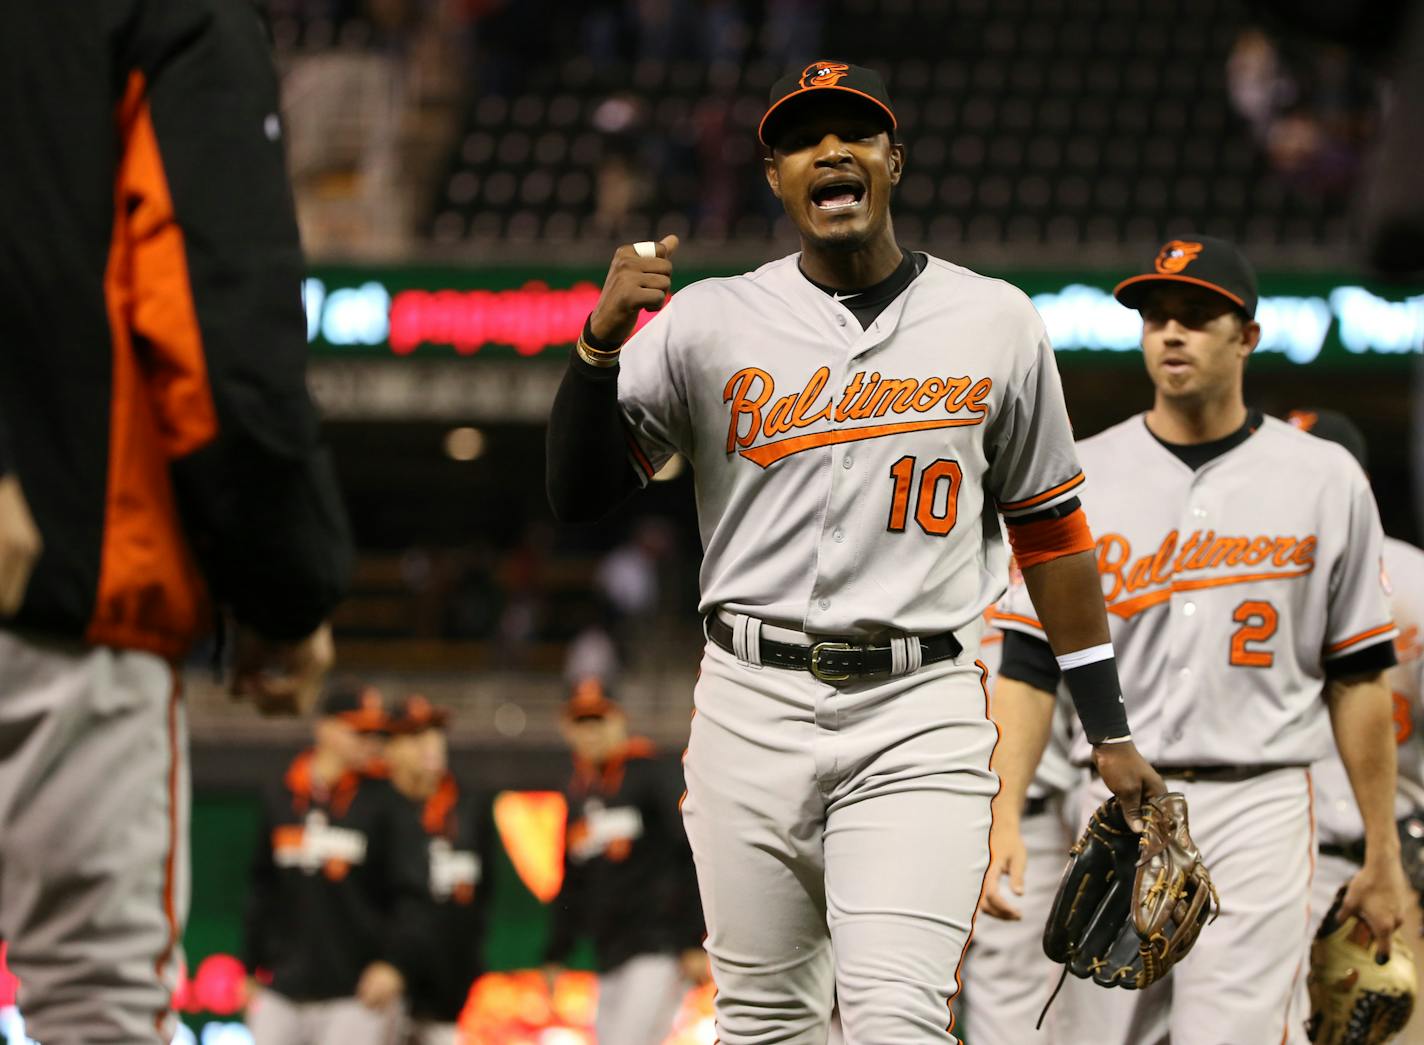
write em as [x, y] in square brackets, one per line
[840, 320]
[847, 461]
[1188, 609]
[838, 535]
[825, 604]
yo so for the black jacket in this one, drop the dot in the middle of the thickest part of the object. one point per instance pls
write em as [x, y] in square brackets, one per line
[338, 881]
[629, 883]
[460, 844]
[152, 393]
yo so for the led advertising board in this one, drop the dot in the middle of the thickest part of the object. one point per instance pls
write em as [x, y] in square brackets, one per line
[1319, 321]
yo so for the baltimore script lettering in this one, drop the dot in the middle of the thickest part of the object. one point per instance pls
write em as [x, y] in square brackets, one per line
[751, 389]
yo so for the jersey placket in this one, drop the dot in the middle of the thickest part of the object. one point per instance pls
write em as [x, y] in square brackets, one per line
[848, 468]
[1187, 623]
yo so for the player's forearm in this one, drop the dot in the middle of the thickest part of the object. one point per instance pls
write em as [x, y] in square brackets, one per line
[1024, 715]
[588, 473]
[1067, 593]
[1361, 717]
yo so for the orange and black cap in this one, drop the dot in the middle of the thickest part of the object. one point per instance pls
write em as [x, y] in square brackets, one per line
[589, 699]
[1202, 261]
[855, 82]
[414, 713]
[357, 704]
[1334, 426]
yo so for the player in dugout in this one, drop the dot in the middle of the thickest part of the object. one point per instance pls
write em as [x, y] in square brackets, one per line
[336, 911]
[458, 828]
[629, 884]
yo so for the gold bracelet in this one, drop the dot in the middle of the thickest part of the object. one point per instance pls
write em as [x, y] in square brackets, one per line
[595, 356]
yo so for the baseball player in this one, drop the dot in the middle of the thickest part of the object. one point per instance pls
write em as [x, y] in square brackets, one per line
[858, 418]
[159, 458]
[336, 920]
[1338, 826]
[1006, 973]
[1240, 563]
[459, 833]
[629, 884]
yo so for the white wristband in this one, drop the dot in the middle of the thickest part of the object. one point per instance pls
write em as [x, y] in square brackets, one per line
[1083, 657]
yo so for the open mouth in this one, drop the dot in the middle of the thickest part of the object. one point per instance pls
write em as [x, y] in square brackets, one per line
[837, 195]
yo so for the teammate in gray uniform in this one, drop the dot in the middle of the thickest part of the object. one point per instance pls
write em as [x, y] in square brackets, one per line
[1006, 973]
[1338, 825]
[858, 418]
[1240, 562]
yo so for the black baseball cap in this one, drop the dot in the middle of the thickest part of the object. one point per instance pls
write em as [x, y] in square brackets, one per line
[1334, 426]
[359, 705]
[1203, 261]
[849, 81]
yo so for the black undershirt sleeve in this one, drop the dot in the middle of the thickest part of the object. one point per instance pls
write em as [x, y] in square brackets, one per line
[1367, 661]
[586, 448]
[1059, 511]
[1029, 659]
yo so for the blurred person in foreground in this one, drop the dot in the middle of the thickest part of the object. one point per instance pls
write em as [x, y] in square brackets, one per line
[159, 461]
[629, 884]
[458, 827]
[336, 910]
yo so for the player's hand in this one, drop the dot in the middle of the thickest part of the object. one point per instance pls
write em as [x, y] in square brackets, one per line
[695, 967]
[1008, 856]
[1128, 776]
[1377, 896]
[281, 678]
[380, 986]
[20, 545]
[634, 283]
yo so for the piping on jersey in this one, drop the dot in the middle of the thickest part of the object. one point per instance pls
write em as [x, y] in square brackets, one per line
[1200, 551]
[751, 388]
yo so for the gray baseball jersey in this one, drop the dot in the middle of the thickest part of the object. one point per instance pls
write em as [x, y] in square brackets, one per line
[1229, 588]
[1336, 816]
[848, 480]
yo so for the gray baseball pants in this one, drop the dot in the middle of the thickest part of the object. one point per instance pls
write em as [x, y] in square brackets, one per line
[1243, 983]
[93, 839]
[275, 1019]
[638, 1000]
[841, 840]
[1007, 977]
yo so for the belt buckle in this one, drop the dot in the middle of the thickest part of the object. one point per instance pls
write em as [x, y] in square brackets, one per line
[815, 666]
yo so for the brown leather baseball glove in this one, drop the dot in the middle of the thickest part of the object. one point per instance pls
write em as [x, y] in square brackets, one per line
[1130, 906]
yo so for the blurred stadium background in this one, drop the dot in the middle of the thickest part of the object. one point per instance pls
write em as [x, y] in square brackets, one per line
[464, 169]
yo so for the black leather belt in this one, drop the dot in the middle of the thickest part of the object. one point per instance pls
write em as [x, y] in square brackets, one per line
[834, 661]
[1036, 806]
[1352, 851]
[1214, 774]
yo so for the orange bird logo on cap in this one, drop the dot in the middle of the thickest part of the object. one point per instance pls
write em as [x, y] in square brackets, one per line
[824, 74]
[1176, 256]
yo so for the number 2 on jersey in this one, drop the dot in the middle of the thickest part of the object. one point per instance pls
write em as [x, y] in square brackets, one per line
[1258, 622]
[935, 516]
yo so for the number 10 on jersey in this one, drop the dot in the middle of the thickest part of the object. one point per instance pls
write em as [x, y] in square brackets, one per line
[933, 495]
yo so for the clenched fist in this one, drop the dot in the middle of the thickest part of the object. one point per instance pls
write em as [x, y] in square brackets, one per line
[634, 283]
